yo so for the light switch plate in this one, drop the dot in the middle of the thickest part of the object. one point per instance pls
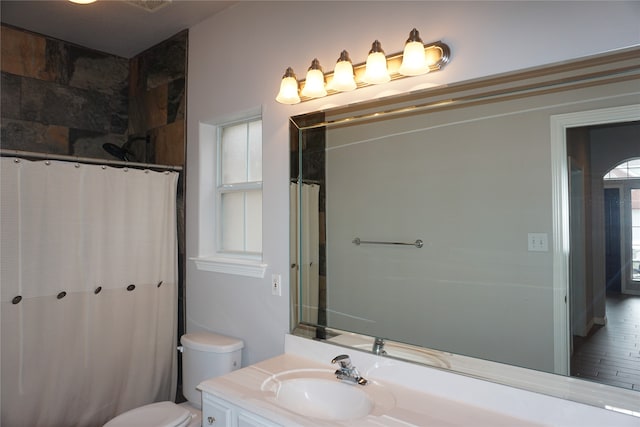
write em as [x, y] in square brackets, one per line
[276, 285]
[538, 242]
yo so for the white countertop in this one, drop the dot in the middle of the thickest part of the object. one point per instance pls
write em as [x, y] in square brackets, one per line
[419, 395]
[395, 405]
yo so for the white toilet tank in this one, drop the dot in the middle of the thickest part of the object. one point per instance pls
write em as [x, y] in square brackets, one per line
[206, 355]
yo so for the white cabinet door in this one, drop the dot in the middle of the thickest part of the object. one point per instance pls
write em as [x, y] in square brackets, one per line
[220, 413]
[215, 413]
[247, 419]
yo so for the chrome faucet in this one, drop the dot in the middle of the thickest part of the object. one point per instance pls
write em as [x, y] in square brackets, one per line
[378, 347]
[347, 371]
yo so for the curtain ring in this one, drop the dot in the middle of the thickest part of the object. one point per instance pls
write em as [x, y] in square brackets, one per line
[131, 287]
[16, 300]
[159, 283]
[61, 295]
[97, 290]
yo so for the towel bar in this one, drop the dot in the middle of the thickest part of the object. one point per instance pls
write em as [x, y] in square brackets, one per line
[418, 243]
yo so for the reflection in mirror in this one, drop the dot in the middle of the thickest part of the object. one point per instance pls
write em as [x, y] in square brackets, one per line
[472, 171]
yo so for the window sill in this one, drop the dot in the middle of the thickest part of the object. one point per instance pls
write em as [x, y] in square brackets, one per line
[237, 267]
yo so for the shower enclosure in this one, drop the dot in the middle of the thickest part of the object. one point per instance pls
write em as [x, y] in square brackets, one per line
[89, 291]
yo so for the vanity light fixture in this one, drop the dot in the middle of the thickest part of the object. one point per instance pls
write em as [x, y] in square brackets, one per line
[314, 83]
[416, 59]
[376, 71]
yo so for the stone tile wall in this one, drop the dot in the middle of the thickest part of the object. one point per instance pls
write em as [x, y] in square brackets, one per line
[157, 98]
[60, 98]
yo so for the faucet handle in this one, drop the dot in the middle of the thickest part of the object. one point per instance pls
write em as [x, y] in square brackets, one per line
[348, 372]
[378, 346]
[343, 360]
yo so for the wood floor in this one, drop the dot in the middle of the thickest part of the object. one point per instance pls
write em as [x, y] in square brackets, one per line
[611, 353]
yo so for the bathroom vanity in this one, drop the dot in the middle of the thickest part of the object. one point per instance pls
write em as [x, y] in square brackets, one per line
[299, 388]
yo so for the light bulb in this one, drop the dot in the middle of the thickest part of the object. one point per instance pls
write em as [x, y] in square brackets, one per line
[343, 79]
[314, 82]
[288, 88]
[414, 62]
[376, 69]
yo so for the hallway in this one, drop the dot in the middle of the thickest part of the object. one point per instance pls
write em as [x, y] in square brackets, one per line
[611, 353]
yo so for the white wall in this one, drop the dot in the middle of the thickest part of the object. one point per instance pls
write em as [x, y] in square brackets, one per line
[236, 60]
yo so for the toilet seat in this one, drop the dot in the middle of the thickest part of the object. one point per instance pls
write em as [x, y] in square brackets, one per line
[161, 414]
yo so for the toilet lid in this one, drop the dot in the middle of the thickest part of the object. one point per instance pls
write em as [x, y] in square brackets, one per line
[161, 414]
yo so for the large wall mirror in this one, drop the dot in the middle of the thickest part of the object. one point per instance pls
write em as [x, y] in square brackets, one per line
[481, 227]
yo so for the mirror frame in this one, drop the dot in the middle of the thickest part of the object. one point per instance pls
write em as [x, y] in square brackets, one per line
[611, 67]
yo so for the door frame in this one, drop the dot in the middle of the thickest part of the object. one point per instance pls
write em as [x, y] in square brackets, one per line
[577, 259]
[560, 216]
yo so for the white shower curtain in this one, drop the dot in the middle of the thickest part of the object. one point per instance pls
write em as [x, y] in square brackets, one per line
[77, 346]
[305, 224]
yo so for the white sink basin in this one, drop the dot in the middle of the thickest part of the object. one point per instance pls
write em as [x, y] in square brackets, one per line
[328, 400]
[317, 393]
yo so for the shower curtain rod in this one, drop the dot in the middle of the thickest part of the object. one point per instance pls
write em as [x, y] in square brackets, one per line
[44, 156]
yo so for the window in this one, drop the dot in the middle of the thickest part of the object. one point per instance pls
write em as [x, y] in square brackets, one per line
[625, 170]
[239, 188]
[230, 196]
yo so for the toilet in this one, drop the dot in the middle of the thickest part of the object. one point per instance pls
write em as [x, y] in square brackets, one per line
[204, 355]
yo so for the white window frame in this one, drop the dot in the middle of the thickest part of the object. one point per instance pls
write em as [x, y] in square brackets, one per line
[222, 189]
[210, 256]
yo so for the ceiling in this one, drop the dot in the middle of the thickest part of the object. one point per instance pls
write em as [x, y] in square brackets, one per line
[118, 27]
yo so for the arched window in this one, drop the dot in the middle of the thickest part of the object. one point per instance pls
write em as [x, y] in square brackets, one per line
[626, 170]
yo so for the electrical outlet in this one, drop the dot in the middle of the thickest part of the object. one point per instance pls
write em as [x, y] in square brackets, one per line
[276, 285]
